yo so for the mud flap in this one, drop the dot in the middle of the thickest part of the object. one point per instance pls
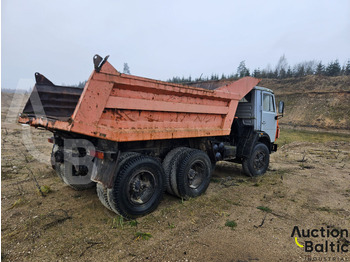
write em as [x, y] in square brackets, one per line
[103, 171]
[273, 147]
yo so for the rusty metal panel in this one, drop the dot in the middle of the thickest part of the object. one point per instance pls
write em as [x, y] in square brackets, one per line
[122, 108]
[210, 85]
[163, 106]
[51, 101]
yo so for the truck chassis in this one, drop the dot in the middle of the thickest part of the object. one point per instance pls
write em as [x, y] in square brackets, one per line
[137, 138]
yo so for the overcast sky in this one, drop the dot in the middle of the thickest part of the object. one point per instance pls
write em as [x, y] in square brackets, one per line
[162, 39]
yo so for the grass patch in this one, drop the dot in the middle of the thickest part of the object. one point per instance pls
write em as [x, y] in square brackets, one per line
[235, 203]
[289, 135]
[324, 209]
[265, 209]
[231, 223]
[118, 222]
[142, 235]
[133, 223]
[18, 202]
[44, 190]
[171, 226]
[215, 180]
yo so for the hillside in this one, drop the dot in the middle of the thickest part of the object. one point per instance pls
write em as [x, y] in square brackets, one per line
[314, 101]
[310, 101]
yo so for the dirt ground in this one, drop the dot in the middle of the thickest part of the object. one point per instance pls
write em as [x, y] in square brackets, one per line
[307, 185]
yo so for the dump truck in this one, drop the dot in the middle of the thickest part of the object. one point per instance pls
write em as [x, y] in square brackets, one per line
[135, 138]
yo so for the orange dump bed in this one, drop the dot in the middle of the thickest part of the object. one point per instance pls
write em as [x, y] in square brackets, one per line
[122, 107]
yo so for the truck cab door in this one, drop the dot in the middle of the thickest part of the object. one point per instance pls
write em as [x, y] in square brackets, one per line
[268, 115]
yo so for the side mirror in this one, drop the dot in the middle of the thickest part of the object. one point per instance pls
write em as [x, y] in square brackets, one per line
[281, 107]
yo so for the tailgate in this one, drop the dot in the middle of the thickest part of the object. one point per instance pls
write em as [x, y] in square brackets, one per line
[51, 101]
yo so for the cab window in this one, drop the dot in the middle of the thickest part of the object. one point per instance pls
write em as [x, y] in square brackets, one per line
[268, 104]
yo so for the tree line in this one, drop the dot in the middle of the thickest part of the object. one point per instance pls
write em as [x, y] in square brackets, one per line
[281, 71]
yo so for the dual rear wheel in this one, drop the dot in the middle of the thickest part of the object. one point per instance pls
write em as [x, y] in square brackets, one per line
[138, 186]
[141, 180]
[188, 171]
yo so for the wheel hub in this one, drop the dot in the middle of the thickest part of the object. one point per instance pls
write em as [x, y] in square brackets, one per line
[196, 175]
[259, 161]
[137, 186]
[141, 188]
[192, 174]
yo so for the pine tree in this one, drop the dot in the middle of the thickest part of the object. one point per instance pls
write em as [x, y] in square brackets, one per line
[289, 72]
[333, 68]
[299, 70]
[242, 70]
[257, 73]
[270, 74]
[126, 69]
[320, 69]
[347, 68]
[82, 84]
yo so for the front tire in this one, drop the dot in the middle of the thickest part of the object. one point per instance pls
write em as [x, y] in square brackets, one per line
[258, 162]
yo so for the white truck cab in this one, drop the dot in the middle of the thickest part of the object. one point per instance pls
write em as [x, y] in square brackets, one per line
[258, 110]
[255, 130]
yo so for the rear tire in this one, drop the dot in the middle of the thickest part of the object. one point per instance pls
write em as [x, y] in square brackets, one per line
[194, 174]
[138, 187]
[170, 164]
[109, 192]
[53, 158]
[103, 195]
[258, 162]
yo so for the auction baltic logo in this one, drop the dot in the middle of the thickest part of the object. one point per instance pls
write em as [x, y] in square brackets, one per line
[320, 239]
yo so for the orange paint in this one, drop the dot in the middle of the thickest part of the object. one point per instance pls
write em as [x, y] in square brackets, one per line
[122, 108]
[278, 130]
